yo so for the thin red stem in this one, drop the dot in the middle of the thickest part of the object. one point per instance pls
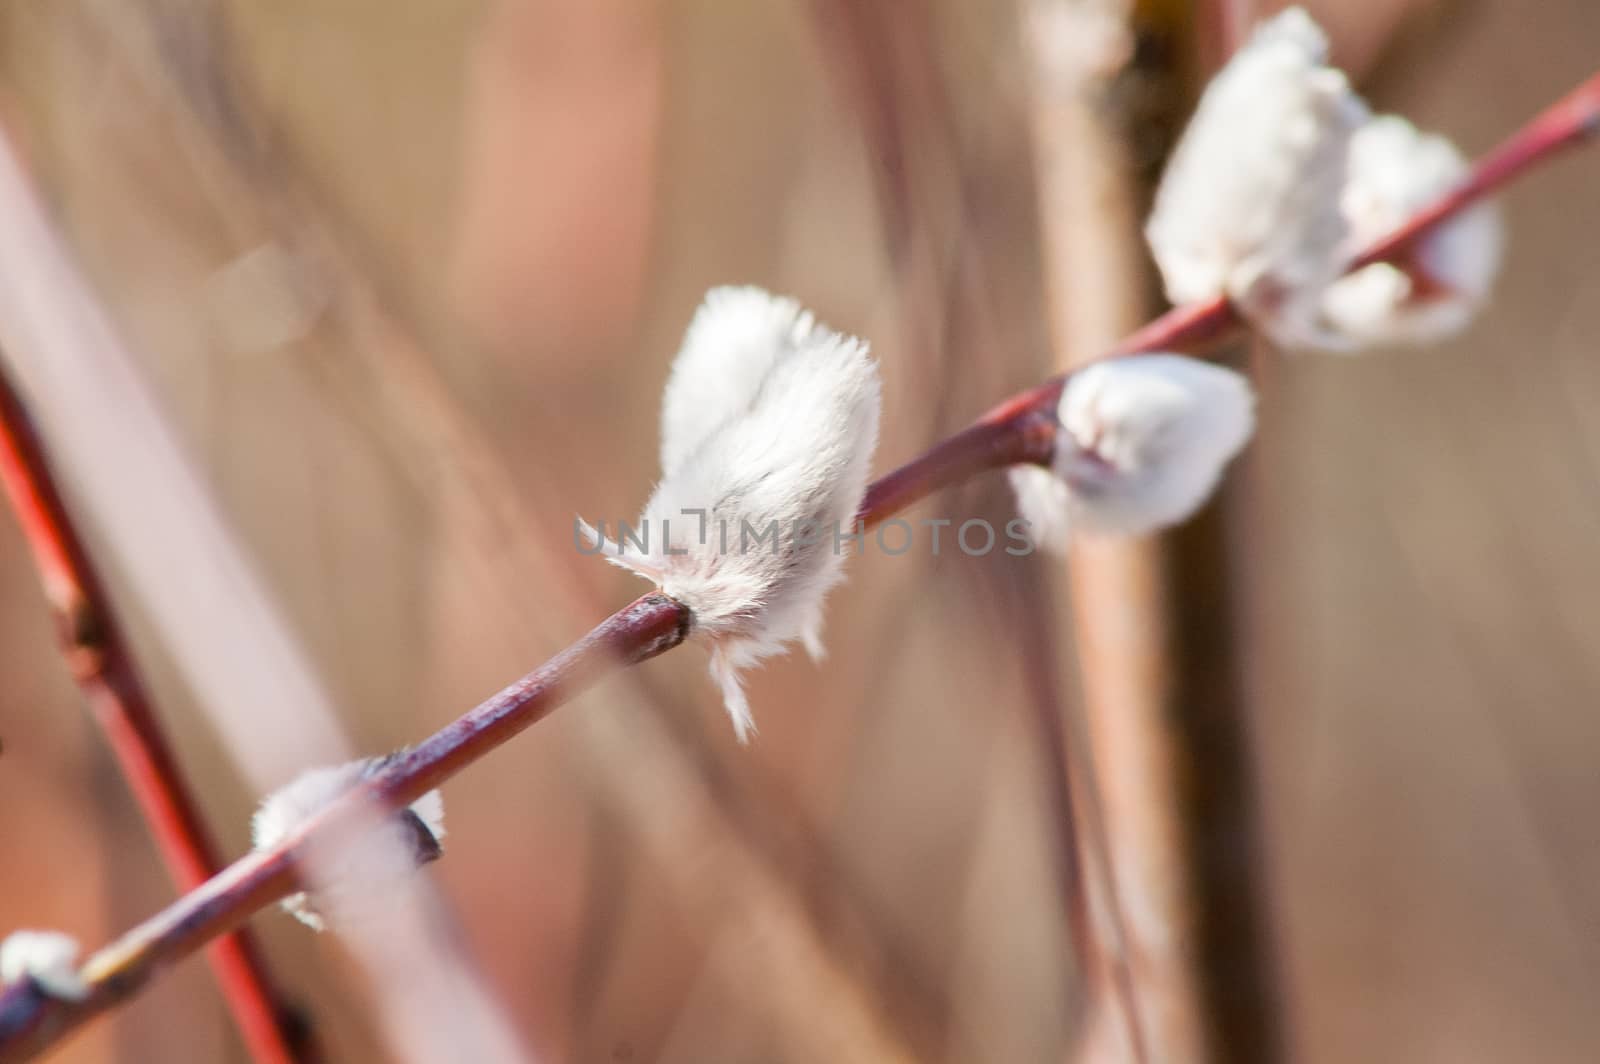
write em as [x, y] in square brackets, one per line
[98, 656]
[1026, 435]
[1017, 430]
[1571, 121]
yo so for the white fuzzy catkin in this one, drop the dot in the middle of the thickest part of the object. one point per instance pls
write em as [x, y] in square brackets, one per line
[769, 420]
[1396, 170]
[350, 876]
[1249, 204]
[1143, 442]
[49, 958]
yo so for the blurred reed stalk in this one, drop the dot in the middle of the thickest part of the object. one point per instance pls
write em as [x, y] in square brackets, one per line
[1019, 430]
[101, 663]
[1096, 288]
[1183, 952]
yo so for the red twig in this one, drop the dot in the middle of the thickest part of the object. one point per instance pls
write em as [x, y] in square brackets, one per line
[98, 656]
[1568, 123]
[1026, 434]
[1571, 121]
[1018, 430]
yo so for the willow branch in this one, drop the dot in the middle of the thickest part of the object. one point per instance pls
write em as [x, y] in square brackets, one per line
[98, 656]
[1571, 121]
[1019, 430]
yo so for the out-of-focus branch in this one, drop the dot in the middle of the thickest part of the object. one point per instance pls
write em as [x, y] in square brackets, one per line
[1095, 289]
[1018, 430]
[101, 663]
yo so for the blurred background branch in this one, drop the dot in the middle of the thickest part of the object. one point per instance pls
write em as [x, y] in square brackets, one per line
[99, 660]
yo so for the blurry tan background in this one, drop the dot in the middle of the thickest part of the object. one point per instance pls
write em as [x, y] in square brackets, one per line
[408, 276]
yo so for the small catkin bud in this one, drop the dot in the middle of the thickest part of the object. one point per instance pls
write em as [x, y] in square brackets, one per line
[49, 958]
[1434, 293]
[1045, 502]
[769, 422]
[1142, 445]
[1249, 205]
[347, 876]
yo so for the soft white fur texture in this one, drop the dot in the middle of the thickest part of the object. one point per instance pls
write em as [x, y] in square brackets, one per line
[49, 958]
[1045, 502]
[285, 810]
[768, 418]
[735, 338]
[1143, 443]
[1395, 171]
[1249, 204]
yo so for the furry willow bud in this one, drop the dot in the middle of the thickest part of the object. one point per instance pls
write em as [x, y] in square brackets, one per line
[1142, 444]
[1249, 205]
[769, 422]
[49, 958]
[1395, 171]
[350, 873]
